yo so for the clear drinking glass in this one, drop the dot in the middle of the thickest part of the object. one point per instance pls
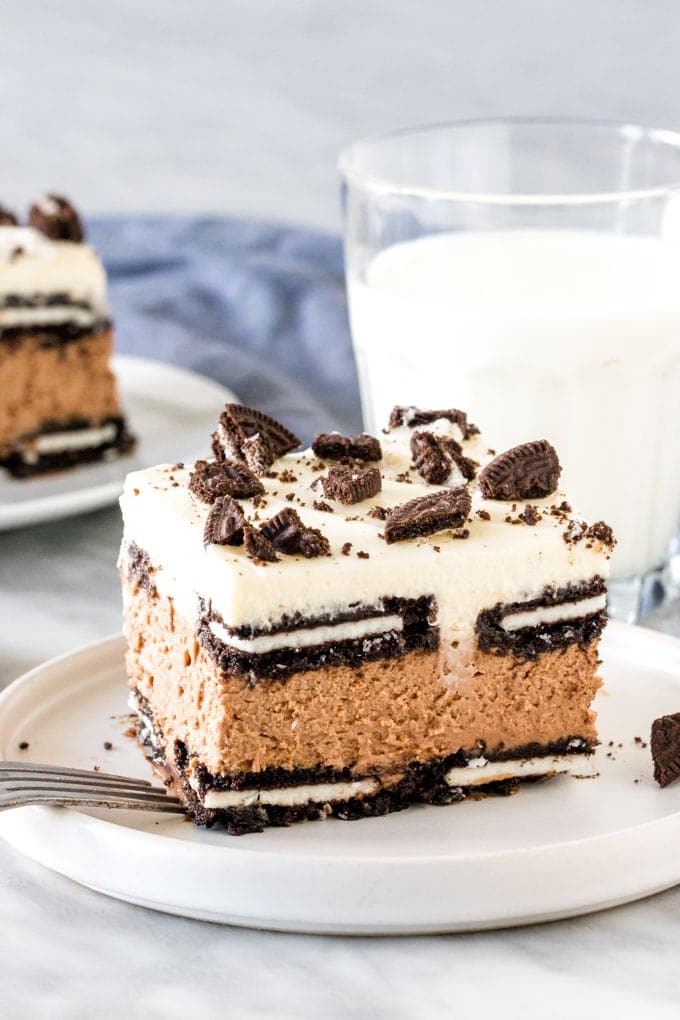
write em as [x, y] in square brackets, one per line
[529, 271]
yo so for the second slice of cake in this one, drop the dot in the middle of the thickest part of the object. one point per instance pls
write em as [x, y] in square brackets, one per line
[360, 626]
[58, 397]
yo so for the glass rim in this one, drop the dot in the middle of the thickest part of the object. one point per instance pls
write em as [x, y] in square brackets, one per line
[381, 184]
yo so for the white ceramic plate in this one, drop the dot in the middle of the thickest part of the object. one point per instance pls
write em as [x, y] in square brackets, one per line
[171, 411]
[556, 849]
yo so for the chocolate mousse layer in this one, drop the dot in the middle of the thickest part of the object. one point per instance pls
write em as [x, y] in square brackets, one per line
[384, 714]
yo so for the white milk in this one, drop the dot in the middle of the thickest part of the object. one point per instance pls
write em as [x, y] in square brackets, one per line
[572, 336]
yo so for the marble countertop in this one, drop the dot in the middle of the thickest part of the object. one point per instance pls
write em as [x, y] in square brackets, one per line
[69, 952]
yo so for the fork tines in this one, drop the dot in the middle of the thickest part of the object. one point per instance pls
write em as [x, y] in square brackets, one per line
[23, 783]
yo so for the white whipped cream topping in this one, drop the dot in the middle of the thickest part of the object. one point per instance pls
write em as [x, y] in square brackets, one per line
[310, 636]
[554, 614]
[46, 267]
[499, 562]
[479, 770]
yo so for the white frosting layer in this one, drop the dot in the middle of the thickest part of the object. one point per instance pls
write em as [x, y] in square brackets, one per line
[291, 796]
[554, 614]
[310, 636]
[499, 562]
[480, 771]
[32, 264]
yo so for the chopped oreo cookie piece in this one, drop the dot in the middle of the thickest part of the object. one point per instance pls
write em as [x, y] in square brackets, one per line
[414, 416]
[258, 546]
[351, 483]
[665, 747]
[210, 480]
[529, 471]
[7, 217]
[429, 458]
[466, 466]
[438, 511]
[224, 525]
[54, 216]
[289, 535]
[247, 435]
[333, 446]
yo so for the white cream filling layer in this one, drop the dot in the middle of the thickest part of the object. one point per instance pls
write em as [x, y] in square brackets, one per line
[479, 770]
[291, 796]
[307, 637]
[49, 315]
[61, 442]
[554, 614]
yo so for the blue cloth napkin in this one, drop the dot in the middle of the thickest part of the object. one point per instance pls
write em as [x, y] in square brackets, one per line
[257, 306]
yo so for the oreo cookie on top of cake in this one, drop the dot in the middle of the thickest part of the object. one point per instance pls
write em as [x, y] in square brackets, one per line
[58, 399]
[357, 627]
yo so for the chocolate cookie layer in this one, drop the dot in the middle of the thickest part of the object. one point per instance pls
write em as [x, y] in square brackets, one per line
[23, 463]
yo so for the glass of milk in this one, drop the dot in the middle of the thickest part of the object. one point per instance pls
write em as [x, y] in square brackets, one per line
[529, 271]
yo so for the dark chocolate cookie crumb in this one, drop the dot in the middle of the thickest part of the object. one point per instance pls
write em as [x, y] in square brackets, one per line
[324, 507]
[351, 483]
[603, 533]
[289, 535]
[258, 547]
[54, 216]
[447, 508]
[287, 477]
[484, 515]
[108, 746]
[429, 458]
[530, 515]
[346, 549]
[24, 745]
[363, 555]
[378, 513]
[246, 434]
[529, 471]
[334, 446]
[224, 525]
[7, 218]
[575, 532]
[665, 745]
[209, 480]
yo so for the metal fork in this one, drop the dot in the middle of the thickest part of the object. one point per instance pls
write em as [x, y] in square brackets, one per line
[23, 783]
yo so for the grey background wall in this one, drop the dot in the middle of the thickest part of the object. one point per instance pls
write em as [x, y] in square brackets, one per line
[241, 106]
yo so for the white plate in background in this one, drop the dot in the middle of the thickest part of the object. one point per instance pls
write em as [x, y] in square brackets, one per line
[556, 849]
[170, 410]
